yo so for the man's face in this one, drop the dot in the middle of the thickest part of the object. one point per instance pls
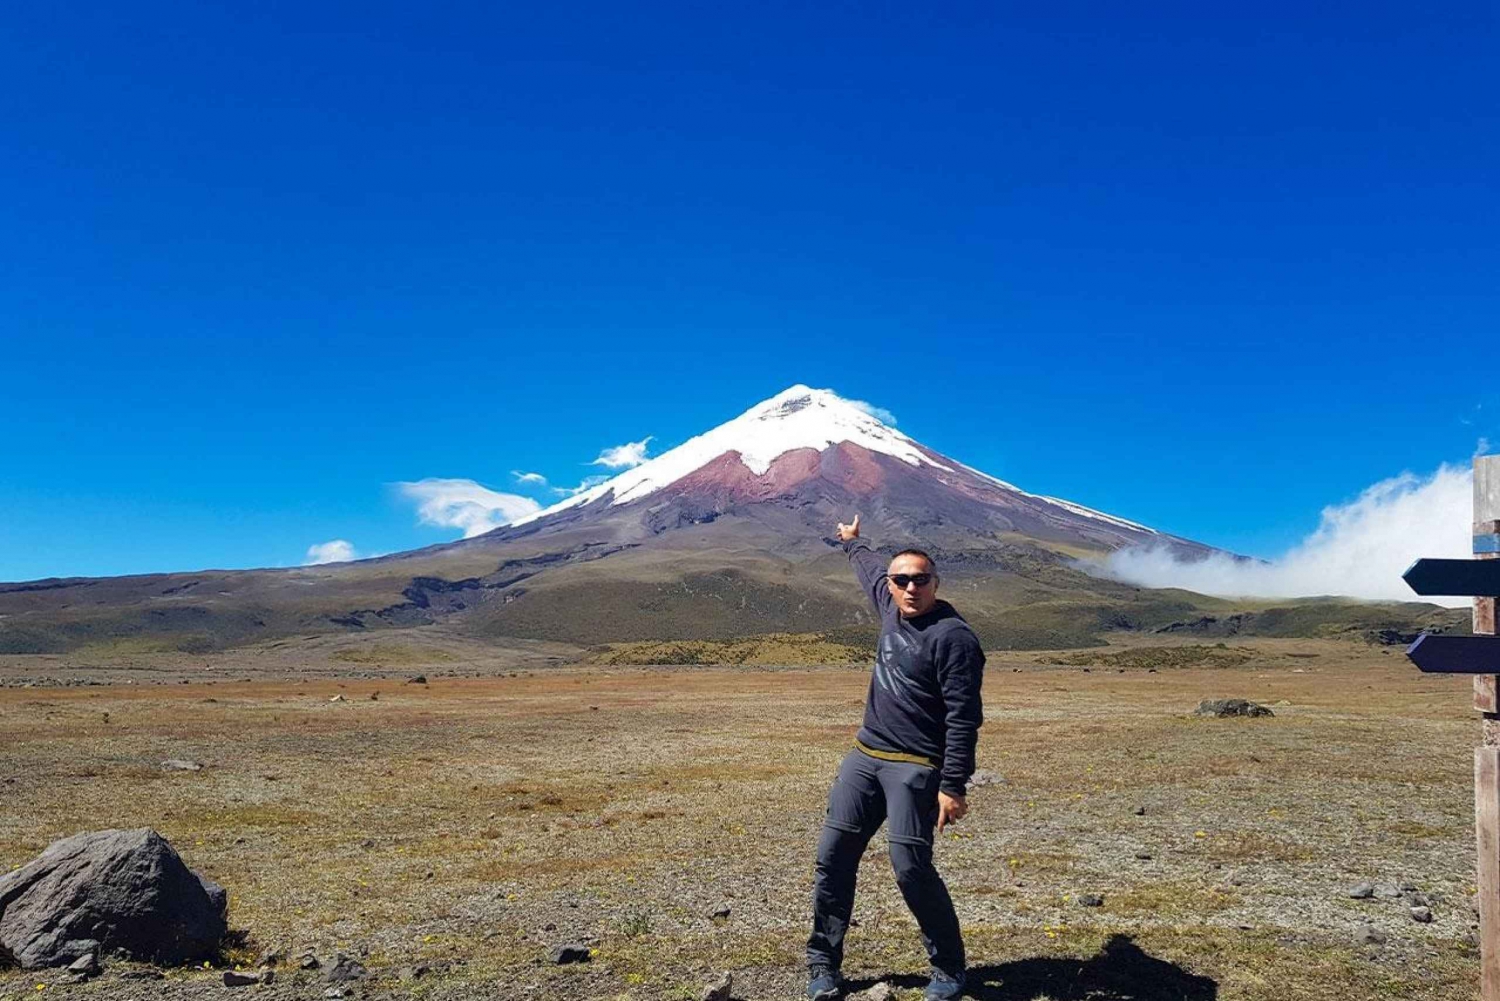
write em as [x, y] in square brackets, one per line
[913, 599]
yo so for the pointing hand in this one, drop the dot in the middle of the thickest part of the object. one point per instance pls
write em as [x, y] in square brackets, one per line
[850, 531]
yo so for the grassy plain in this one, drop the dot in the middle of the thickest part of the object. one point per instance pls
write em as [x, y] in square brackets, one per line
[488, 819]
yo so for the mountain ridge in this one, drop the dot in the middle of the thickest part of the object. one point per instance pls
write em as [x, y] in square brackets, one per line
[724, 536]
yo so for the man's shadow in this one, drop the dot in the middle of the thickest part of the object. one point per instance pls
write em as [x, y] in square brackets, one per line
[1121, 971]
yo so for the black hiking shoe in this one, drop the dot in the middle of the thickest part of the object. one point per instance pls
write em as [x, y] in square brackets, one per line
[823, 983]
[944, 986]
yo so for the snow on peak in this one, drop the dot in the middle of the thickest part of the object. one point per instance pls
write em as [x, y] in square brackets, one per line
[799, 417]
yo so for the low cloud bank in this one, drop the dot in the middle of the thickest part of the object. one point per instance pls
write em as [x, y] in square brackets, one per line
[465, 505]
[332, 551]
[1359, 550]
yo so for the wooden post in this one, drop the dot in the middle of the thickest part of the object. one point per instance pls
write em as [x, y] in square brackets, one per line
[1487, 756]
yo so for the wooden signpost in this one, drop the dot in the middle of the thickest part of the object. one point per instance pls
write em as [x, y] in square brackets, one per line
[1478, 655]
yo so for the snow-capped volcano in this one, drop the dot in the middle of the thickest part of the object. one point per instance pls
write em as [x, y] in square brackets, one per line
[816, 451]
[796, 418]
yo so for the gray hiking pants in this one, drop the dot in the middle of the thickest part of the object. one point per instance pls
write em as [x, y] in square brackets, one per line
[867, 792]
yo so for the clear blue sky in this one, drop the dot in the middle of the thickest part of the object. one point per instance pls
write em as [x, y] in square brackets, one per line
[1208, 268]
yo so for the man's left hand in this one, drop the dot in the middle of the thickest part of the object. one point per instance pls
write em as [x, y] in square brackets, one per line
[951, 809]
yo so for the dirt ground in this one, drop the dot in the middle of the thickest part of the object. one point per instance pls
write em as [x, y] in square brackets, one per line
[475, 824]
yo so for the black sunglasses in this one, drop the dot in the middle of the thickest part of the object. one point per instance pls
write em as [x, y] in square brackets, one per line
[903, 579]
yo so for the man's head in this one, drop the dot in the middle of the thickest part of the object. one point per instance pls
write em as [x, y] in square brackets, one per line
[912, 578]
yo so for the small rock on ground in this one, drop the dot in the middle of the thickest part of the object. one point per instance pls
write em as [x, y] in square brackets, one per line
[1421, 915]
[571, 953]
[880, 992]
[1370, 936]
[1090, 900]
[720, 989]
[345, 968]
[1362, 891]
[86, 965]
[1222, 708]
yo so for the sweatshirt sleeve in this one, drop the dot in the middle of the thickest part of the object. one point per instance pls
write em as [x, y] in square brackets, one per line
[961, 674]
[870, 569]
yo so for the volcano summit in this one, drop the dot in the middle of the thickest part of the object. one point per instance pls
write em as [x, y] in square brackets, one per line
[812, 451]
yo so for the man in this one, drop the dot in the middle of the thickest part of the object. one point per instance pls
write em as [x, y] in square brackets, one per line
[911, 764]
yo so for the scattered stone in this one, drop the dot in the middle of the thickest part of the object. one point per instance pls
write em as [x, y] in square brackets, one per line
[550, 926]
[983, 778]
[1143, 856]
[1362, 891]
[338, 698]
[308, 961]
[719, 989]
[1224, 708]
[722, 912]
[109, 891]
[571, 953]
[1422, 915]
[336, 992]
[880, 992]
[344, 969]
[1090, 900]
[180, 765]
[1369, 935]
[240, 978]
[146, 974]
[85, 967]
[1388, 892]
[1418, 900]
[1139, 811]
[272, 959]
[375, 695]
[420, 679]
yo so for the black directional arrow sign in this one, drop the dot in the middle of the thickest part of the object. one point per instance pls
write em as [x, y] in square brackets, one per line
[1456, 654]
[1476, 578]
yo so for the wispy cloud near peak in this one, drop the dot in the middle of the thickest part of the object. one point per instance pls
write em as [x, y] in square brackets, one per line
[465, 505]
[881, 414]
[626, 456]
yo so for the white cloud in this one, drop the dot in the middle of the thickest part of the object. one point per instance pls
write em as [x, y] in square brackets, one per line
[881, 414]
[589, 482]
[535, 478]
[332, 551]
[1360, 549]
[625, 456]
[466, 505]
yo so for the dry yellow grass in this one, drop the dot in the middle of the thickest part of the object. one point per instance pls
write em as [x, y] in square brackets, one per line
[622, 807]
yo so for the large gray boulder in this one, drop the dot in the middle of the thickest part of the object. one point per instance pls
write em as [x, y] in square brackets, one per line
[109, 891]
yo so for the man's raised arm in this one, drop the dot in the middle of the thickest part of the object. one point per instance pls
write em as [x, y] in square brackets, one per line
[868, 567]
